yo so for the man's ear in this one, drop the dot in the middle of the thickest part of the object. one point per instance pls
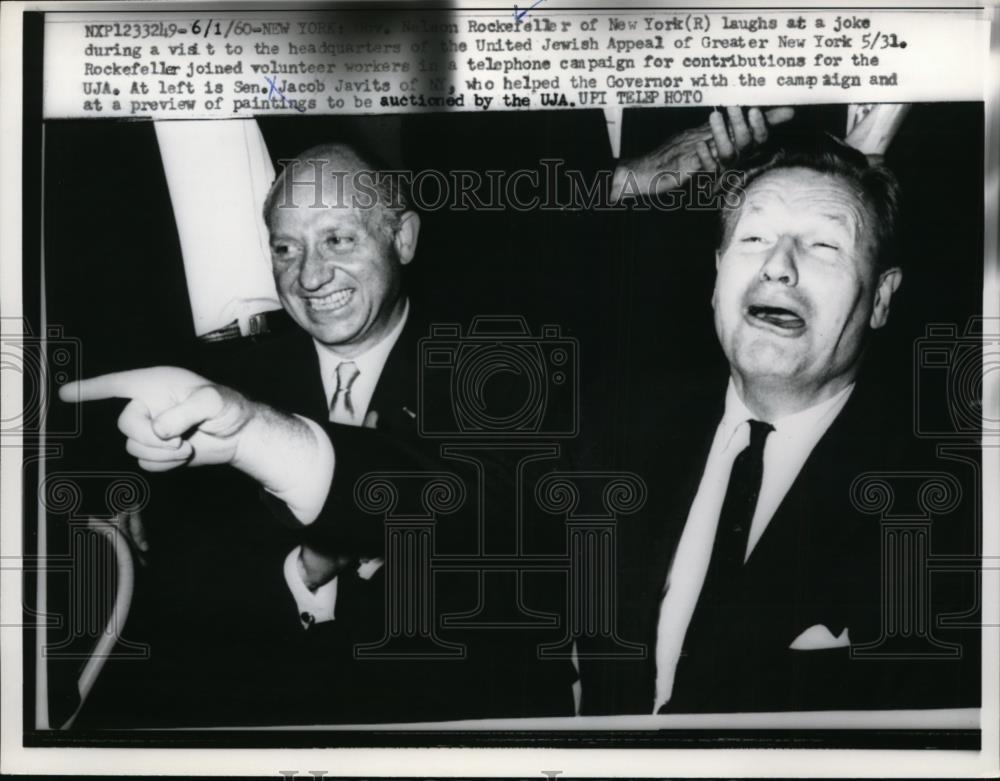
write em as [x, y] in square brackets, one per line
[888, 283]
[405, 239]
[715, 287]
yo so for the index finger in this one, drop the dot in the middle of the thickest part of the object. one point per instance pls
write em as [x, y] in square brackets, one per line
[117, 385]
[720, 135]
[740, 132]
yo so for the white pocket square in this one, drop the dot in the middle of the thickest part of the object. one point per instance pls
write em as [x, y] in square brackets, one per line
[369, 567]
[819, 638]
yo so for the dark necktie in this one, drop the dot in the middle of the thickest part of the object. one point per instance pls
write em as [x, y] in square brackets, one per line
[718, 615]
[733, 531]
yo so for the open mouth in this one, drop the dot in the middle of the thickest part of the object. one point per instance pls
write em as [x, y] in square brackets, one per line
[336, 300]
[777, 316]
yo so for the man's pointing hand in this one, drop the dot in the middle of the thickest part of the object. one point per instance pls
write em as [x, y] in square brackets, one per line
[174, 416]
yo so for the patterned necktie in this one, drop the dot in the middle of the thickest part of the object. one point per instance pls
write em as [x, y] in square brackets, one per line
[341, 408]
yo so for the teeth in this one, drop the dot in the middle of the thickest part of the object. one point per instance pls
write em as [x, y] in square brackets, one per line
[335, 300]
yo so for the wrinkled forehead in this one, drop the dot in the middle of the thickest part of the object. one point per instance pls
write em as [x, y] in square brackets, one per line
[290, 220]
[800, 196]
[317, 182]
[322, 192]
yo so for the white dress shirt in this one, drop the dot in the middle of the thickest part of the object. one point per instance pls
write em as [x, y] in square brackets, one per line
[319, 605]
[785, 451]
[369, 363]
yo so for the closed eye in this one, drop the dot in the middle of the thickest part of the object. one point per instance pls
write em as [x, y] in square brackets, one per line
[340, 242]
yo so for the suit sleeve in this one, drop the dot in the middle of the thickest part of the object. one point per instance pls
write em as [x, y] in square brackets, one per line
[347, 522]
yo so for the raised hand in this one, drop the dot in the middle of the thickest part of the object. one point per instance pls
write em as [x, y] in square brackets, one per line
[871, 127]
[703, 148]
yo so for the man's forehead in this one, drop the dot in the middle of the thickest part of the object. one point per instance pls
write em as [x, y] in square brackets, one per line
[806, 193]
[334, 197]
[333, 183]
[331, 214]
[304, 166]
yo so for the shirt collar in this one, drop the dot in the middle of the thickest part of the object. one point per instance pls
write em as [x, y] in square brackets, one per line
[369, 363]
[804, 424]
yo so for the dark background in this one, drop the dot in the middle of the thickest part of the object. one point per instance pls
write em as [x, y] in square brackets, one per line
[633, 287]
[114, 277]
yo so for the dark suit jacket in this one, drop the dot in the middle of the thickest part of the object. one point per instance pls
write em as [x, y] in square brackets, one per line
[224, 628]
[820, 561]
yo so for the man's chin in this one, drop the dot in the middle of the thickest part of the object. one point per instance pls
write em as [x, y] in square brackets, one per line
[767, 357]
[331, 334]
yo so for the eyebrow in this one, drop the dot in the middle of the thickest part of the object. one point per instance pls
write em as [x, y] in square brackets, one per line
[841, 219]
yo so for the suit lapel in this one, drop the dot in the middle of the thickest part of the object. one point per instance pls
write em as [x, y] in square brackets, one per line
[673, 476]
[290, 378]
[818, 483]
[687, 453]
[288, 375]
[798, 554]
[395, 396]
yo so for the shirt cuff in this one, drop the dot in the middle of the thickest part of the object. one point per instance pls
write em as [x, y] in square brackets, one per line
[314, 607]
[307, 499]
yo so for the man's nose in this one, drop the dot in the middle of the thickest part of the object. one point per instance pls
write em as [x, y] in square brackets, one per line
[780, 265]
[315, 270]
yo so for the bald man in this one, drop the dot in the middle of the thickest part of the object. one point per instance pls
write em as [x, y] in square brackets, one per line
[265, 619]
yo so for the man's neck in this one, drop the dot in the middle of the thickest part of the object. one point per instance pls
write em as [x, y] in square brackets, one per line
[772, 400]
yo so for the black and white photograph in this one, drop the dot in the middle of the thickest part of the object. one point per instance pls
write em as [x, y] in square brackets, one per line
[567, 403]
